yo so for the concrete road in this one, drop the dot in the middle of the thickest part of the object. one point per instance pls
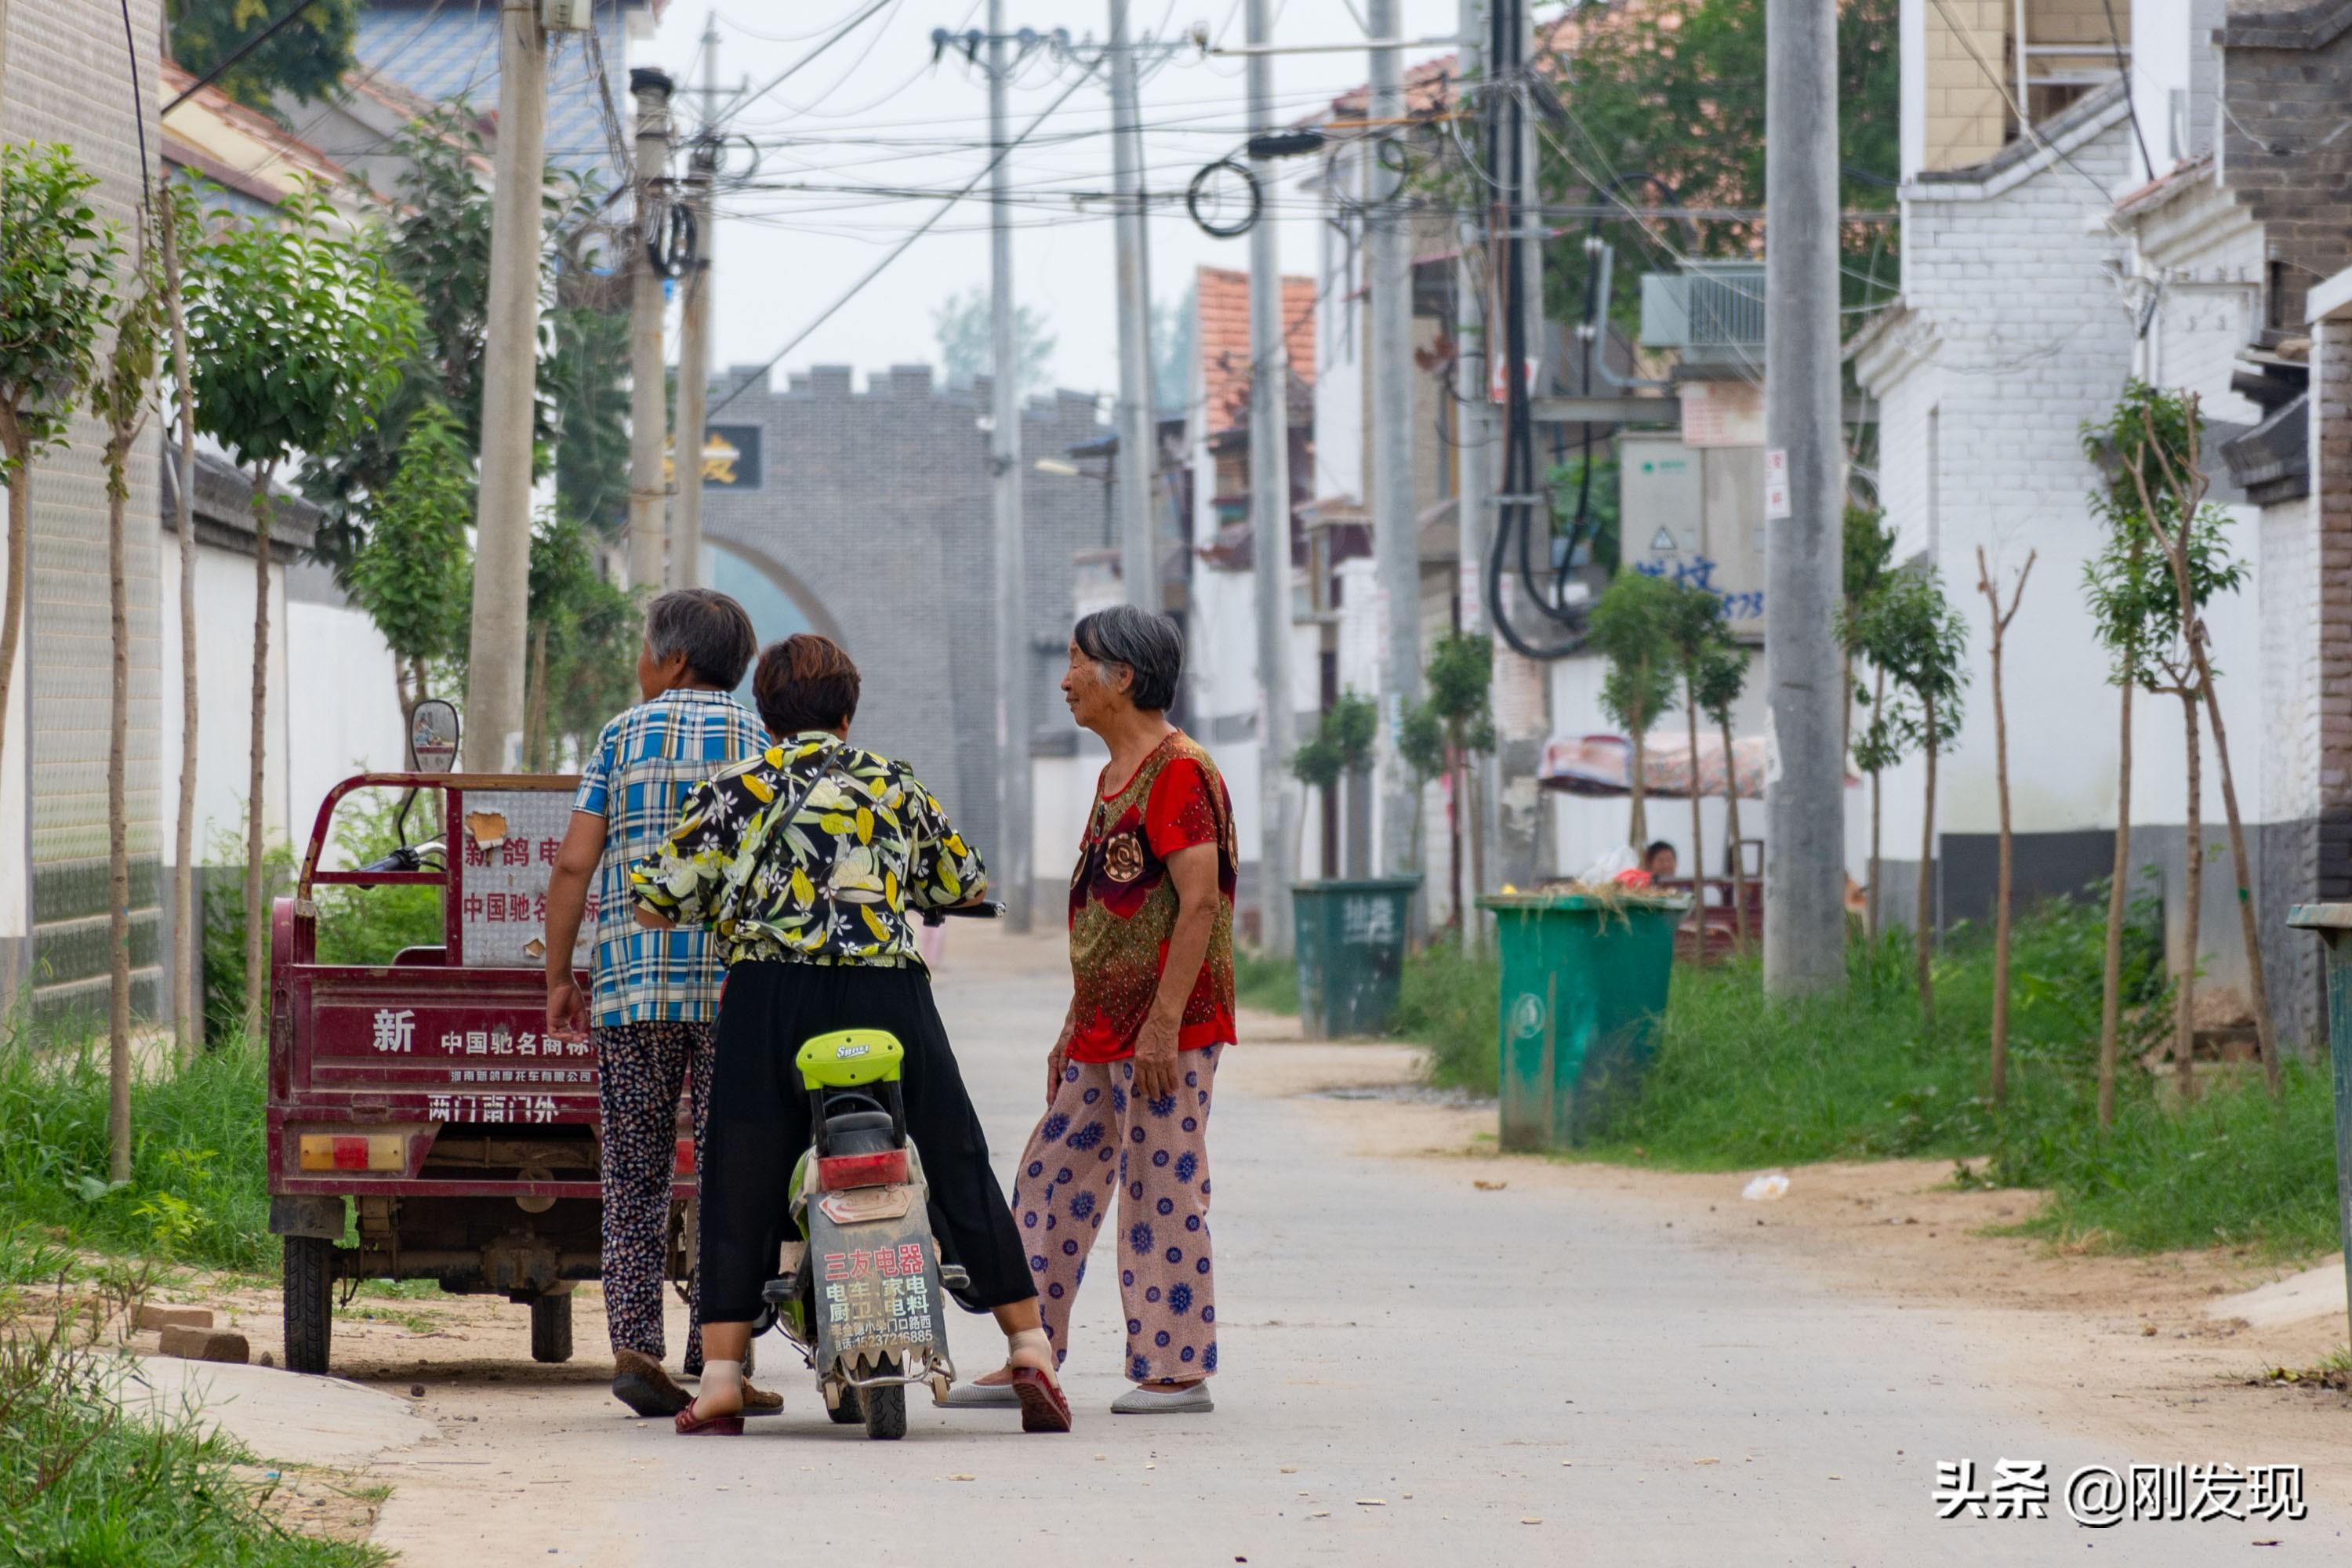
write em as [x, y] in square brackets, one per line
[1412, 1372]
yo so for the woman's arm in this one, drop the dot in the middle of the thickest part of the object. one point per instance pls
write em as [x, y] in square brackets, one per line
[1193, 870]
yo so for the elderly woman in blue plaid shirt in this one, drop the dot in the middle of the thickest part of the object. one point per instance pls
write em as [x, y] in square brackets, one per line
[654, 993]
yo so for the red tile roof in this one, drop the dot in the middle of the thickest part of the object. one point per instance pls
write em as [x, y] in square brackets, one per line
[1222, 300]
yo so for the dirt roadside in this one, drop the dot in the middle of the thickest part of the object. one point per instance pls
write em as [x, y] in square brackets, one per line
[2129, 1348]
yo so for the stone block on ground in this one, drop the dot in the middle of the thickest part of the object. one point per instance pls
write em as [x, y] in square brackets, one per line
[207, 1345]
[160, 1318]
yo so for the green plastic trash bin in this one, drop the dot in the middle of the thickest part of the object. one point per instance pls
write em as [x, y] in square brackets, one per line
[1583, 989]
[2334, 924]
[1351, 945]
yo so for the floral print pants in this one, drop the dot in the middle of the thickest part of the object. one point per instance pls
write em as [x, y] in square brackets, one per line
[641, 1070]
[1097, 1140]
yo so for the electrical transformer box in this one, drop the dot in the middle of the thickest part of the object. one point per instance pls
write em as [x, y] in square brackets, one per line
[1695, 515]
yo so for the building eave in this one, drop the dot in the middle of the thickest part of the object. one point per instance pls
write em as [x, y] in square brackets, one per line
[2028, 155]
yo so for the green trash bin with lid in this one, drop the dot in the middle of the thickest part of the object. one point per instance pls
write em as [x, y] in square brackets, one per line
[1583, 993]
[1351, 945]
[2334, 924]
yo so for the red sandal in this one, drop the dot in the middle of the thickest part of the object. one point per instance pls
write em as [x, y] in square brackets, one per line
[689, 1424]
[1043, 1407]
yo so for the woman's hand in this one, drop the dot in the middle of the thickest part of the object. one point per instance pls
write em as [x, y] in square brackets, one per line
[1054, 1062]
[1155, 1055]
[567, 1010]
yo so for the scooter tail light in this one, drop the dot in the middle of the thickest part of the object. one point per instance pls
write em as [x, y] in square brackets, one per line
[682, 1162]
[840, 1173]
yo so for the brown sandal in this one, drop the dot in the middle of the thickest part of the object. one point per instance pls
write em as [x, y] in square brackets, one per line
[689, 1424]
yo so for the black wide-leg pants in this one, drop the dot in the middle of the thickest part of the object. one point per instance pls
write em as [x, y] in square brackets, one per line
[760, 1126]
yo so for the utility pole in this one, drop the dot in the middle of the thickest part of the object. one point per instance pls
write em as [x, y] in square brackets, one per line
[501, 614]
[1804, 803]
[1014, 680]
[1138, 443]
[1270, 522]
[694, 331]
[1396, 523]
[1473, 460]
[648, 396]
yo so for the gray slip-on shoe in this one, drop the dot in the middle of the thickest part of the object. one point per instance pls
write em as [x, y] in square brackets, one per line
[981, 1396]
[1190, 1401]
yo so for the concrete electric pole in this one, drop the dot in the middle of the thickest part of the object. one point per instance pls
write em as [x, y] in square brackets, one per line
[1396, 523]
[1473, 464]
[501, 612]
[648, 393]
[1138, 441]
[694, 335]
[1804, 799]
[1269, 467]
[1015, 682]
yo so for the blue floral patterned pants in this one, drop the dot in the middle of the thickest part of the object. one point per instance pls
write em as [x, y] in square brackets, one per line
[1097, 1142]
[640, 1070]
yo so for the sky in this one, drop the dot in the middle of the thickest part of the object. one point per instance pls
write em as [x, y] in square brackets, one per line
[872, 111]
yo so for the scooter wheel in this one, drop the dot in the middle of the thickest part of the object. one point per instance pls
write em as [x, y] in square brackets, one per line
[886, 1411]
[849, 1410]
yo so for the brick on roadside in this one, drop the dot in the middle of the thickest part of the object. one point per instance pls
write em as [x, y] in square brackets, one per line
[160, 1318]
[207, 1345]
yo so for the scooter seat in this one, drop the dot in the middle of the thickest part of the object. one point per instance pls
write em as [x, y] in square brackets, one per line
[858, 1121]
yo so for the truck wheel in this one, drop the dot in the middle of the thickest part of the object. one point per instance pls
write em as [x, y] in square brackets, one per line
[550, 1328]
[886, 1408]
[309, 1302]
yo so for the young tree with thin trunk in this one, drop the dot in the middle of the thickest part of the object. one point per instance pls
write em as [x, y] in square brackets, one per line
[119, 396]
[300, 334]
[56, 290]
[1721, 677]
[2167, 558]
[413, 575]
[2004, 879]
[1868, 555]
[1632, 627]
[1879, 748]
[2188, 533]
[180, 233]
[1458, 681]
[1910, 630]
[1693, 630]
[2128, 601]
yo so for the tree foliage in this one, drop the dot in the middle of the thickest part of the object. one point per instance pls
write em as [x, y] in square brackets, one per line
[307, 56]
[57, 289]
[302, 333]
[1677, 93]
[968, 351]
[1458, 681]
[1632, 627]
[592, 631]
[1911, 631]
[414, 574]
[2134, 598]
[1342, 742]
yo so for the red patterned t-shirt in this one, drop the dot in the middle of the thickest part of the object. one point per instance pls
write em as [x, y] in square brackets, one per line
[1123, 904]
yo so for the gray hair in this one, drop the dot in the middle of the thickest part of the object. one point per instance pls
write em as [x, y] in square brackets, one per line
[1148, 645]
[711, 629]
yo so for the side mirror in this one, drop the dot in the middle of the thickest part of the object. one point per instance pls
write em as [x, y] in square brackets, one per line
[432, 736]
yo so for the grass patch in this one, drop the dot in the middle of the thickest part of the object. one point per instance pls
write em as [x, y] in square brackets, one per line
[82, 1484]
[1266, 982]
[1450, 1001]
[198, 1191]
[1740, 1082]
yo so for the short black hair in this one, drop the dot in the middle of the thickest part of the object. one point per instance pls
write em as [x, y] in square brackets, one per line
[805, 682]
[1149, 646]
[712, 630]
[1655, 845]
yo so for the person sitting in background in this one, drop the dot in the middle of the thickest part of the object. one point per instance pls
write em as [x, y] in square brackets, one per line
[655, 994]
[1660, 861]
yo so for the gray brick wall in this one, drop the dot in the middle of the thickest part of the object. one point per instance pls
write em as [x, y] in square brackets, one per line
[2286, 76]
[876, 506]
[70, 81]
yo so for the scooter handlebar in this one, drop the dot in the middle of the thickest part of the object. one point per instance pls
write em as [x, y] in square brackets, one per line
[983, 910]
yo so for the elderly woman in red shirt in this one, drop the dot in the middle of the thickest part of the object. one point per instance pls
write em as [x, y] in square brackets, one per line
[1129, 1081]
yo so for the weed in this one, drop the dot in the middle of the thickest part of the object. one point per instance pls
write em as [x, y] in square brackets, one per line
[1450, 1001]
[1264, 981]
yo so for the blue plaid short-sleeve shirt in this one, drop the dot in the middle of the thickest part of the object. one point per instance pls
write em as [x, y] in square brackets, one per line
[644, 766]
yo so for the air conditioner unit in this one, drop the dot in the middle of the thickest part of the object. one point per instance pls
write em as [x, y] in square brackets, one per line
[568, 16]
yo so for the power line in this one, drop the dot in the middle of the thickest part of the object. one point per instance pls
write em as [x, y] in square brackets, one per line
[896, 251]
[240, 53]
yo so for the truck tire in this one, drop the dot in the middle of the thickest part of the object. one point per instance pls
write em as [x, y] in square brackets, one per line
[848, 1412]
[310, 1303]
[550, 1328]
